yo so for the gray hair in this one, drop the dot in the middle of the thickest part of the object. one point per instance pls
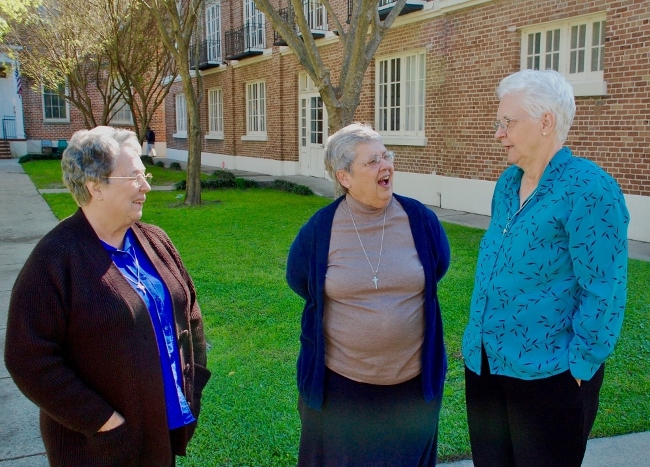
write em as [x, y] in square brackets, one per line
[340, 150]
[541, 92]
[91, 155]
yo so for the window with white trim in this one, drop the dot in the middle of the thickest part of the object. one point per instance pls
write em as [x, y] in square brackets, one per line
[122, 114]
[256, 111]
[575, 48]
[254, 22]
[181, 116]
[399, 98]
[55, 108]
[213, 31]
[215, 113]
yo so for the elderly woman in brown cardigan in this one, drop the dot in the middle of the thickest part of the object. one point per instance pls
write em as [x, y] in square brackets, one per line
[104, 333]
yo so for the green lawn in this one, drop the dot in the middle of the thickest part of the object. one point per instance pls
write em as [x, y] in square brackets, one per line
[47, 174]
[235, 247]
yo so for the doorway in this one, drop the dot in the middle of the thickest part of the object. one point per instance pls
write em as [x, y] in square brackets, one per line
[313, 130]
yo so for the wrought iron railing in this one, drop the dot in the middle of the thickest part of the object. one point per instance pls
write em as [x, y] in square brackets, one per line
[387, 5]
[9, 127]
[209, 54]
[244, 39]
[315, 14]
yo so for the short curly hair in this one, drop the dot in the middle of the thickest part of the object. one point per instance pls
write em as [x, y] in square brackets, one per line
[91, 155]
[540, 92]
[340, 149]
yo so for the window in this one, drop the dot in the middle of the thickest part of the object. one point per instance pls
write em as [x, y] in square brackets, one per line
[181, 117]
[399, 95]
[254, 22]
[315, 14]
[122, 116]
[55, 107]
[215, 114]
[575, 48]
[255, 111]
[213, 31]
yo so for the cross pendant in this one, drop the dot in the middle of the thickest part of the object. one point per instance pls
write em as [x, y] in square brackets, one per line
[375, 280]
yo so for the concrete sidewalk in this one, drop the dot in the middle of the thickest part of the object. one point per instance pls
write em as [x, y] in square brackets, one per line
[25, 218]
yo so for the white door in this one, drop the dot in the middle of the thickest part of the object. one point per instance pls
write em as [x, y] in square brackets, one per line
[313, 133]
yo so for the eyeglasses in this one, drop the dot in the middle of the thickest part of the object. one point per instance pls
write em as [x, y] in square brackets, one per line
[388, 156]
[496, 125]
[138, 179]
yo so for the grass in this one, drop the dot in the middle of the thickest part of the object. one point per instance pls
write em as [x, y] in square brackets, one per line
[47, 174]
[235, 247]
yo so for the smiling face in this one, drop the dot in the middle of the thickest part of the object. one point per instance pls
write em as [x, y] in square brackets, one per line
[122, 198]
[370, 184]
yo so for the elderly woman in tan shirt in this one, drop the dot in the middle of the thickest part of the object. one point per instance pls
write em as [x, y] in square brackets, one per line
[372, 361]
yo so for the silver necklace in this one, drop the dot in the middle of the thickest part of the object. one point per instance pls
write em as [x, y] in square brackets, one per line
[381, 247]
[139, 284]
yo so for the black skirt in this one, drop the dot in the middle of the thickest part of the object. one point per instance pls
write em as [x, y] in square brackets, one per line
[369, 425]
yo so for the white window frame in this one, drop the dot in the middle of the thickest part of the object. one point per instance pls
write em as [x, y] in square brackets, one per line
[316, 15]
[48, 92]
[255, 38]
[213, 32]
[181, 116]
[399, 101]
[123, 114]
[215, 114]
[568, 46]
[255, 111]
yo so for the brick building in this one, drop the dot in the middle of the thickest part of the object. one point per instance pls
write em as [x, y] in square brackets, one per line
[35, 119]
[261, 112]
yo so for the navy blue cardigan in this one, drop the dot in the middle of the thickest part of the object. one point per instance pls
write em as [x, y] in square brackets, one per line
[306, 268]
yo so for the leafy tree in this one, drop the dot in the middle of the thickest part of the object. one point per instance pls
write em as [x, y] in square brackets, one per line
[144, 71]
[99, 55]
[176, 20]
[359, 40]
[13, 10]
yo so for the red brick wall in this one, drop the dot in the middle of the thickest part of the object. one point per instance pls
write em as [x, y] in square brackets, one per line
[468, 51]
[37, 129]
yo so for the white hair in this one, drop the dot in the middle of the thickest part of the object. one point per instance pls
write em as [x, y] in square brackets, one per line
[540, 92]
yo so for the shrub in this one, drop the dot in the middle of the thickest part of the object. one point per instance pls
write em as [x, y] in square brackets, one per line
[216, 183]
[221, 174]
[39, 157]
[146, 160]
[245, 183]
[175, 166]
[160, 164]
[285, 185]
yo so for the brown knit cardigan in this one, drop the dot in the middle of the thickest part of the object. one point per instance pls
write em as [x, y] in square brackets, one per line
[80, 344]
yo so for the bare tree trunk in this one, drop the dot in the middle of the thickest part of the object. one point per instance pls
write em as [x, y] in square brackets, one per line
[359, 36]
[195, 143]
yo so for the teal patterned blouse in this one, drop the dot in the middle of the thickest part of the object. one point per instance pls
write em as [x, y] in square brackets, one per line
[551, 280]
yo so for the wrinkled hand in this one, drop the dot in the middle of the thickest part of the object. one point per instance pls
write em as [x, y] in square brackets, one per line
[113, 422]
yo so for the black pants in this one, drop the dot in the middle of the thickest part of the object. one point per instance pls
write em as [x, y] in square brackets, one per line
[369, 425]
[543, 422]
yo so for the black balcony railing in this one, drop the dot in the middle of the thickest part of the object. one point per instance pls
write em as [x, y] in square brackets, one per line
[209, 54]
[245, 41]
[385, 7]
[314, 14]
[286, 14]
[9, 127]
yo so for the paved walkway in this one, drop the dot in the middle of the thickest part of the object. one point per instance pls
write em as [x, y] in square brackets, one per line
[25, 218]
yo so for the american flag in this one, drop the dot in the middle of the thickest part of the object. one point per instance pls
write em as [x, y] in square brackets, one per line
[19, 80]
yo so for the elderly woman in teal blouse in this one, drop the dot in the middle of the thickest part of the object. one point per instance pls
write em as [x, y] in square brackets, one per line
[550, 286]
